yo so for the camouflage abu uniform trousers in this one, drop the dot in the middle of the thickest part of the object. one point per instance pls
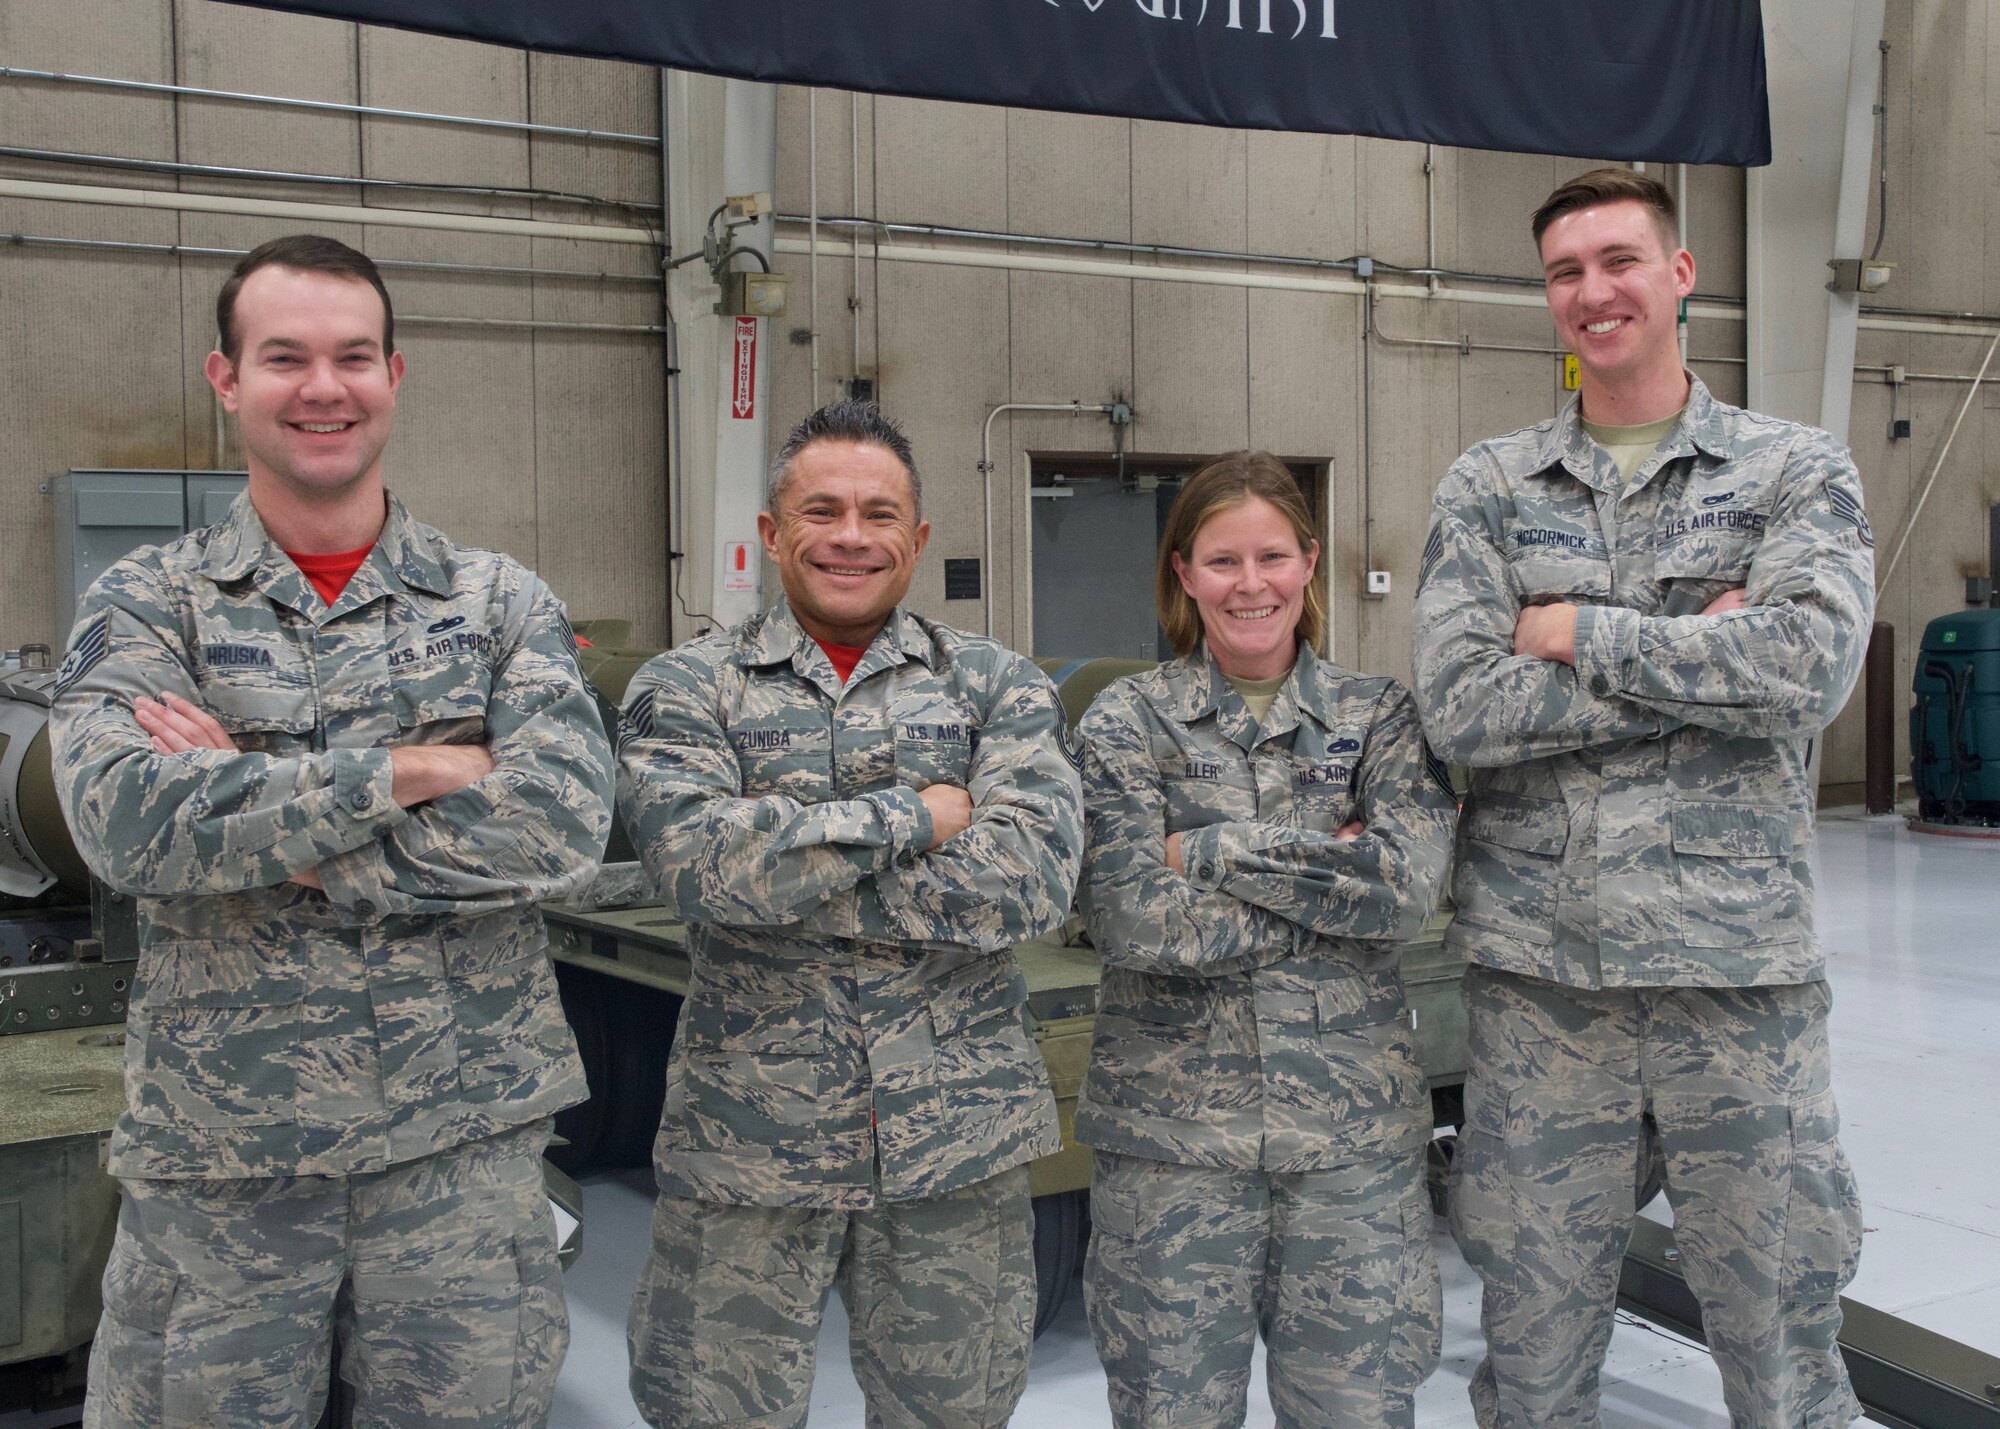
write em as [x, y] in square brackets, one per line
[1254, 1097]
[853, 1094]
[1634, 882]
[383, 1055]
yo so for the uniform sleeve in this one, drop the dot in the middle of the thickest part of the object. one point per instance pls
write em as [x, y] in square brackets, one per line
[1141, 914]
[531, 830]
[725, 859]
[204, 821]
[1785, 663]
[1011, 875]
[1381, 885]
[1482, 705]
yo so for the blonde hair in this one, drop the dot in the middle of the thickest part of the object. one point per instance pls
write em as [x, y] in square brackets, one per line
[1224, 484]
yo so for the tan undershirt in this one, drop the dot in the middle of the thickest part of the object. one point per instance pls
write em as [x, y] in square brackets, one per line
[1258, 694]
[1630, 446]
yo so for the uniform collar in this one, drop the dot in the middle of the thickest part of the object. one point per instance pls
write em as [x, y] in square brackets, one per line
[776, 637]
[1202, 689]
[1568, 447]
[402, 555]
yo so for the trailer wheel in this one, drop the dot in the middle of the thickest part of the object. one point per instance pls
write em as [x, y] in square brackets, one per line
[1062, 1231]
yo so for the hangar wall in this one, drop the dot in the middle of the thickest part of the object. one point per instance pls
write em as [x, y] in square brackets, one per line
[544, 442]
[547, 441]
[1208, 367]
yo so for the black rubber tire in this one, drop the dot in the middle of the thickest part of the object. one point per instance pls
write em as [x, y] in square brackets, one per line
[639, 1035]
[582, 1126]
[1062, 1230]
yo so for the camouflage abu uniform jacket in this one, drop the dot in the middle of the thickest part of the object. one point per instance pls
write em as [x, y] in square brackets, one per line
[1645, 818]
[278, 1031]
[1251, 1014]
[843, 976]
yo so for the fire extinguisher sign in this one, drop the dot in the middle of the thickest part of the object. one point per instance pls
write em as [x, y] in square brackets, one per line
[743, 404]
[737, 571]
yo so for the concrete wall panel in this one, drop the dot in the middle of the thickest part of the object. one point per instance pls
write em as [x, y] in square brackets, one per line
[1190, 344]
[600, 478]
[265, 52]
[1944, 215]
[1190, 186]
[593, 94]
[1071, 337]
[940, 388]
[112, 39]
[949, 163]
[400, 70]
[1714, 214]
[1497, 195]
[1069, 175]
[1302, 196]
[79, 394]
[1303, 364]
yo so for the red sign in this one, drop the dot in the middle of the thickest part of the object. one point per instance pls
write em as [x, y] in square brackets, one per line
[744, 404]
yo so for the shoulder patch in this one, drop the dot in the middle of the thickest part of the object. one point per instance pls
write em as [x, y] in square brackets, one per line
[1072, 747]
[1433, 553]
[91, 645]
[1849, 510]
[637, 719]
[1439, 771]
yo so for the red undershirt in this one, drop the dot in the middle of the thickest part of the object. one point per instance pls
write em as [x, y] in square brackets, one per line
[844, 657]
[330, 574]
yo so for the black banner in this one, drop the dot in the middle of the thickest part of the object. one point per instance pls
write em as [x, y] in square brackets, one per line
[1660, 80]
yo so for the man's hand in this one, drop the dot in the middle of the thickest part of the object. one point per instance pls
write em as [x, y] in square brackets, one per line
[1174, 855]
[1547, 632]
[951, 811]
[175, 726]
[1350, 832]
[1729, 600]
[423, 772]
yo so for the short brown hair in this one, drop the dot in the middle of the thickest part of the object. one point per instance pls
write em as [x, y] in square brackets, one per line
[302, 253]
[1601, 186]
[1225, 483]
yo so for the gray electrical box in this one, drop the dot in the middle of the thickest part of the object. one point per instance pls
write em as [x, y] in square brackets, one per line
[103, 515]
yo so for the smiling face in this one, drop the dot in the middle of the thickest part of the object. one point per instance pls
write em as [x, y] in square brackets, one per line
[845, 539]
[1247, 576]
[1614, 288]
[313, 391]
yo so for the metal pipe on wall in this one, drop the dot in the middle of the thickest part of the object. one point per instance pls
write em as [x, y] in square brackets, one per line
[1074, 408]
[71, 157]
[812, 231]
[1937, 466]
[323, 212]
[375, 111]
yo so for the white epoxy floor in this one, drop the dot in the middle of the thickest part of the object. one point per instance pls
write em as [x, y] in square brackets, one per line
[1911, 924]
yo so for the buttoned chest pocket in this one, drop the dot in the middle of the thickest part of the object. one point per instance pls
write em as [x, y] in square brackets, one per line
[447, 708]
[1708, 534]
[786, 755]
[263, 718]
[1322, 781]
[1203, 789]
[1555, 551]
[934, 742]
